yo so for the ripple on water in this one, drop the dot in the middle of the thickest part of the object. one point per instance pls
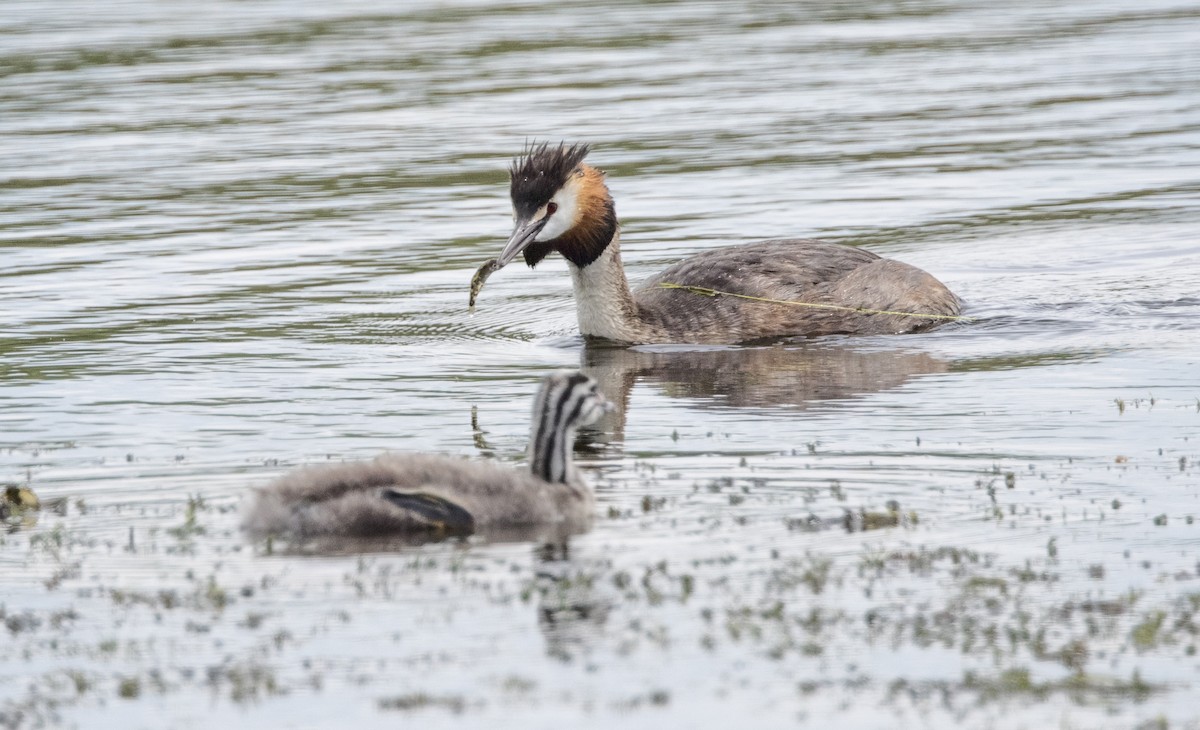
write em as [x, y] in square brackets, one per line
[238, 237]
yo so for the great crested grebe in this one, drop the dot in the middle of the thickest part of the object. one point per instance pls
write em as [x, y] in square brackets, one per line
[561, 204]
[406, 494]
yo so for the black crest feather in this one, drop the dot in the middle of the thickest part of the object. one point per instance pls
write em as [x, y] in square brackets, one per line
[538, 174]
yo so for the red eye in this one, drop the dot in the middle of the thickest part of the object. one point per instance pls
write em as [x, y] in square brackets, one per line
[551, 207]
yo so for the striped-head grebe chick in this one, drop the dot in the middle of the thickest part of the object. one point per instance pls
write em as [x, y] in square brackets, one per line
[561, 204]
[430, 494]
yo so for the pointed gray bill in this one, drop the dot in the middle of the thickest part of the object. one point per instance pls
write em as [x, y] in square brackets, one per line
[523, 234]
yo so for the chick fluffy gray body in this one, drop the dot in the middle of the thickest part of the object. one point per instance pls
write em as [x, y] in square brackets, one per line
[352, 499]
[421, 494]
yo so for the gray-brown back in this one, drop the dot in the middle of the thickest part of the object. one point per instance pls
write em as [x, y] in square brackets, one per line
[794, 270]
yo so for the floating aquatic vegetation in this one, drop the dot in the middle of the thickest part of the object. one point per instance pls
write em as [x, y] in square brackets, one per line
[19, 505]
[20, 498]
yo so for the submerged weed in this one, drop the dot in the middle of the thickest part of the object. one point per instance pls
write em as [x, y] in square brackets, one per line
[1146, 634]
[191, 526]
[811, 571]
[421, 700]
[129, 688]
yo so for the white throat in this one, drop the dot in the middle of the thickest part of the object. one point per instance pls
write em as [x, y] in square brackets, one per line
[602, 298]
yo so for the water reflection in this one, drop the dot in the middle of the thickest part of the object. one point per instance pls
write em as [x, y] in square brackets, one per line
[552, 538]
[788, 375]
[570, 588]
[571, 608]
[244, 236]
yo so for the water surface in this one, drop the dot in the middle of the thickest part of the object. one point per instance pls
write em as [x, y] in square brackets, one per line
[237, 237]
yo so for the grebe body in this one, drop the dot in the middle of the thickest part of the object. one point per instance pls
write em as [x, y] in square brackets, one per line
[773, 288]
